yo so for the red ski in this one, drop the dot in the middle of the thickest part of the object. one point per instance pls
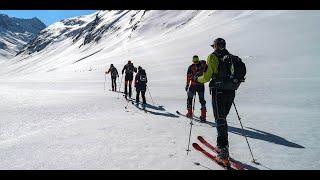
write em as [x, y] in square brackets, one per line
[210, 156]
[233, 162]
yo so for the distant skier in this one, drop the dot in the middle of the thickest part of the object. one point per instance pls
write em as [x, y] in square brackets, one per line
[129, 69]
[193, 87]
[226, 72]
[114, 75]
[140, 83]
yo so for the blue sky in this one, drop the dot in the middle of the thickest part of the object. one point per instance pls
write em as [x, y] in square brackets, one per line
[46, 16]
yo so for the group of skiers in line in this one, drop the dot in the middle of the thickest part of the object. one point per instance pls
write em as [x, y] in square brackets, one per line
[220, 68]
[140, 81]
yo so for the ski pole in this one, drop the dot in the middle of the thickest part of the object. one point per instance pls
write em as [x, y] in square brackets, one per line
[120, 85]
[105, 81]
[194, 100]
[150, 95]
[127, 105]
[253, 160]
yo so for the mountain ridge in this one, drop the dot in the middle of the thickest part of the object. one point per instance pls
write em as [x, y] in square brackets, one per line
[15, 33]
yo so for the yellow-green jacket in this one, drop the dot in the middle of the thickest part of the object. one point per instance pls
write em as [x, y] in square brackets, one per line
[212, 68]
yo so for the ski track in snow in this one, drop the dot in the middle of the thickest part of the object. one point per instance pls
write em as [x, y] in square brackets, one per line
[55, 113]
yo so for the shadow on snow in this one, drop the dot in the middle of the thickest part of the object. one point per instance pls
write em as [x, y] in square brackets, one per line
[158, 108]
[257, 134]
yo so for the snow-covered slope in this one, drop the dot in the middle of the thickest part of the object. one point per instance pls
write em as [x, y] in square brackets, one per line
[15, 33]
[56, 114]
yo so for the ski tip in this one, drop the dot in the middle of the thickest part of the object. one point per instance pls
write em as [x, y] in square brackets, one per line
[178, 112]
[200, 138]
[196, 163]
[196, 146]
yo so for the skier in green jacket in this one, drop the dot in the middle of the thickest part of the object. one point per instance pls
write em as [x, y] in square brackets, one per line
[221, 99]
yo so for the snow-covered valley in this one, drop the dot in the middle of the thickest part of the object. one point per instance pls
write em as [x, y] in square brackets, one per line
[55, 113]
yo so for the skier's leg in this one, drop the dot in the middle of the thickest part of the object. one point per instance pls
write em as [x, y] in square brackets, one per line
[230, 95]
[189, 101]
[219, 101]
[130, 88]
[125, 88]
[112, 83]
[218, 105]
[191, 93]
[115, 83]
[203, 103]
[200, 91]
[143, 94]
[137, 96]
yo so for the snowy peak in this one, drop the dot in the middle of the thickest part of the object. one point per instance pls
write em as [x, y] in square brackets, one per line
[18, 25]
[17, 32]
[59, 31]
[123, 24]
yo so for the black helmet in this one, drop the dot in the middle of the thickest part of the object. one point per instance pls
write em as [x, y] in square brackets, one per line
[219, 42]
[139, 68]
[111, 65]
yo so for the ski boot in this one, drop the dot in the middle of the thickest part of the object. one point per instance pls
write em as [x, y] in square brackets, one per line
[189, 113]
[144, 106]
[203, 115]
[223, 156]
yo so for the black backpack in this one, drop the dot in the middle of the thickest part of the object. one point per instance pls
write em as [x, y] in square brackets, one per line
[130, 69]
[231, 72]
[114, 72]
[143, 78]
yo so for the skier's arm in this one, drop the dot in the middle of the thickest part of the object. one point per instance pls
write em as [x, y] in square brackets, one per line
[117, 71]
[136, 79]
[107, 72]
[189, 76]
[212, 68]
[124, 67]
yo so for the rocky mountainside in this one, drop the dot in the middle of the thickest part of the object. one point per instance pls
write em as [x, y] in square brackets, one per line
[107, 24]
[15, 33]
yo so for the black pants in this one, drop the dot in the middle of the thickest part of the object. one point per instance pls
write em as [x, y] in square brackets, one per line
[143, 94]
[114, 83]
[128, 81]
[221, 104]
[193, 89]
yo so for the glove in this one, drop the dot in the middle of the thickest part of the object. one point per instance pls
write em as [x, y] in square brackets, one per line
[187, 87]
